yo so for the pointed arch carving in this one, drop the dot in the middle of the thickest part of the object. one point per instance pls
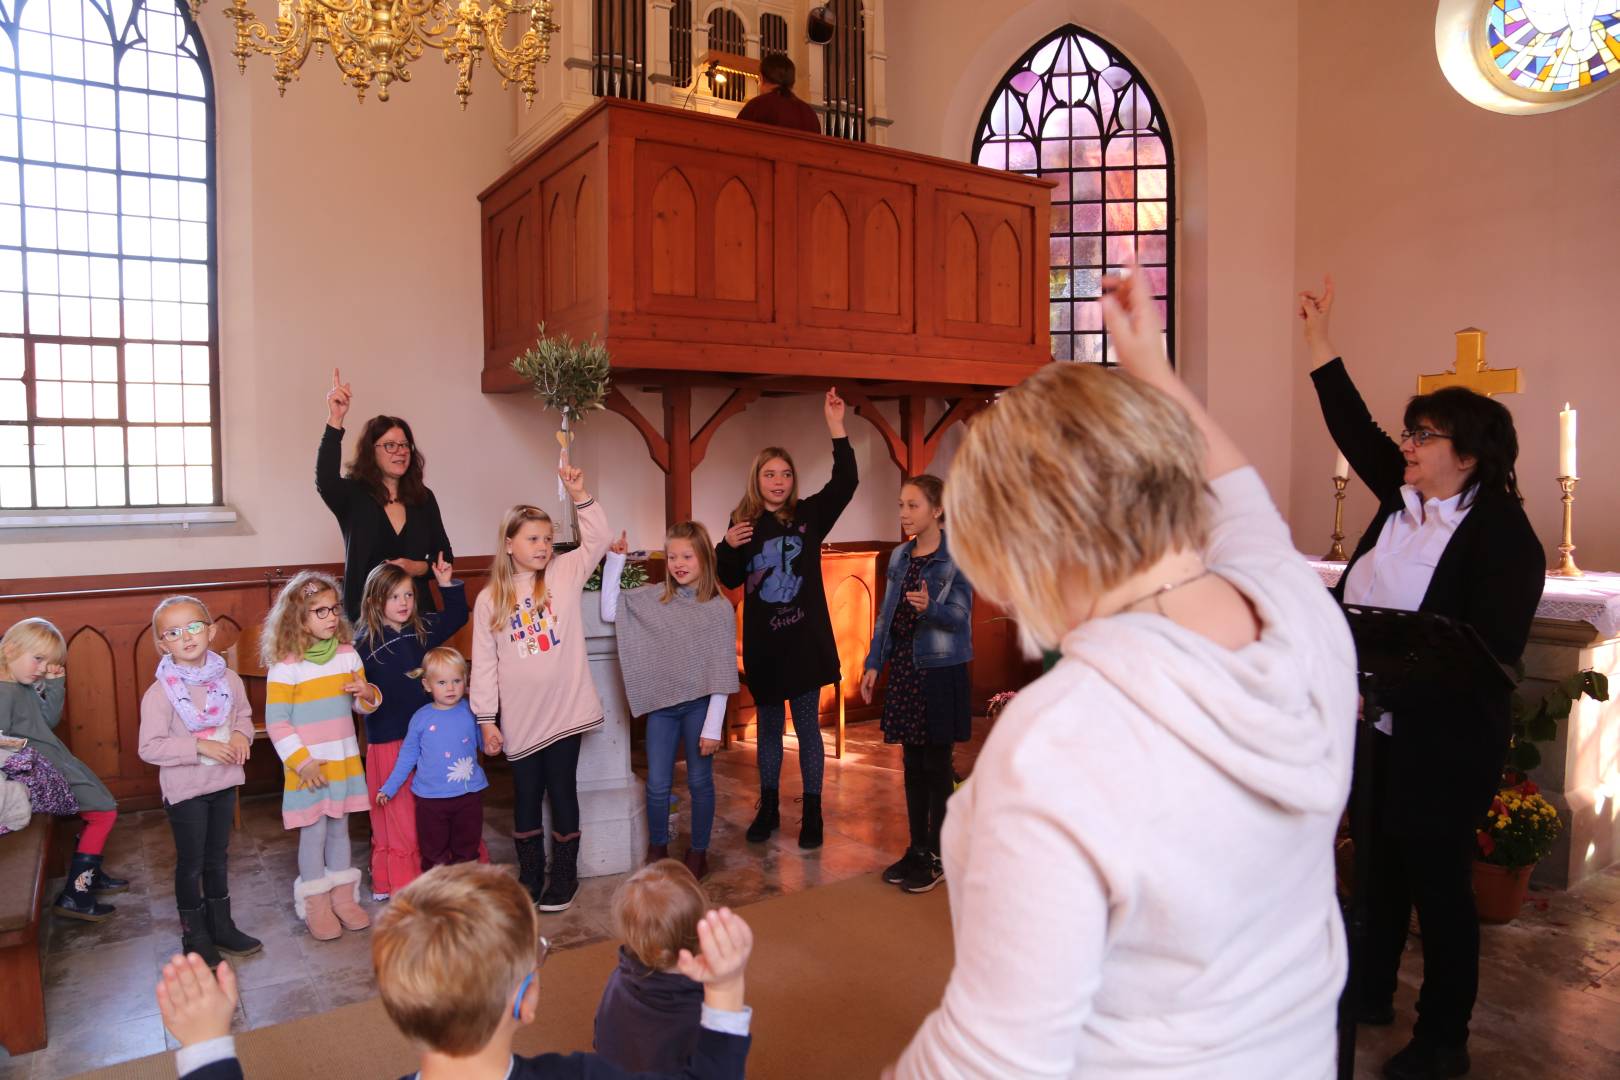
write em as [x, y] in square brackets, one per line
[829, 259]
[674, 235]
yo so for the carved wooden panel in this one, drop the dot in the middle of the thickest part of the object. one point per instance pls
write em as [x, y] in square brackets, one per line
[511, 285]
[988, 268]
[856, 251]
[703, 233]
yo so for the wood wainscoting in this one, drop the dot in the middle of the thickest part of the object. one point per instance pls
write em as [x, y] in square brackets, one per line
[107, 621]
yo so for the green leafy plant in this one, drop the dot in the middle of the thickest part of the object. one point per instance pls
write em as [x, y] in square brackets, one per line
[572, 377]
[1537, 720]
[633, 576]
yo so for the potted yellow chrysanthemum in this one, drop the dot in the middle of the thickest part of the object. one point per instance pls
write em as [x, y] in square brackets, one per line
[1519, 831]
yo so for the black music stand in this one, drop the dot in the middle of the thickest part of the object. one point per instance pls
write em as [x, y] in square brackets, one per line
[1396, 650]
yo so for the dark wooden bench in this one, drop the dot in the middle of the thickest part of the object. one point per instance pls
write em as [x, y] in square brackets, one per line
[23, 860]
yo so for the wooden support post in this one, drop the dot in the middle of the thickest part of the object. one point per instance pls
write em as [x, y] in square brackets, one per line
[914, 436]
[678, 437]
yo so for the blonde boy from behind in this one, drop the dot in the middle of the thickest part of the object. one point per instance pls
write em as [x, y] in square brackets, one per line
[458, 959]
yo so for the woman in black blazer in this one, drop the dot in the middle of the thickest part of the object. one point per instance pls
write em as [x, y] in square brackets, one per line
[385, 511]
[1450, 537]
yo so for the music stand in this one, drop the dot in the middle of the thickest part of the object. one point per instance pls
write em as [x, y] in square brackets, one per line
[1395, 650]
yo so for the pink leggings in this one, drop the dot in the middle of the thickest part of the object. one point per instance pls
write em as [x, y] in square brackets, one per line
[97, 824]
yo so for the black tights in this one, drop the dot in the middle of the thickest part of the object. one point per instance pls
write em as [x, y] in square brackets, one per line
[202, 836]
[929, 780]
[547, 772]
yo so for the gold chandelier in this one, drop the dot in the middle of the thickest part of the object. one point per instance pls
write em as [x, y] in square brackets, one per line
[373, 41]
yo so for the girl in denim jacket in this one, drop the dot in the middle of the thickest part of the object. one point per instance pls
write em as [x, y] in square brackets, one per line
[925, 634]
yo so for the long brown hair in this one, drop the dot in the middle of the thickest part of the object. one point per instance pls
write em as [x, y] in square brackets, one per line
[753, 503]
[502, 587]
[380, 584]
[707, 586]
[284, 638]
[363, 467]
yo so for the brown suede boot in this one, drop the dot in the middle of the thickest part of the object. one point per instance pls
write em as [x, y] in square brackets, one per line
[345, 896]
[697, 862]
[312, 902]
[656, 852]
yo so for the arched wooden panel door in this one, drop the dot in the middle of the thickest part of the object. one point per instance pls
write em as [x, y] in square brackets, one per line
[856, 252]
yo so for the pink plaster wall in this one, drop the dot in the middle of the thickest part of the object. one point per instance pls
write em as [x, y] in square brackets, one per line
[1433, 215]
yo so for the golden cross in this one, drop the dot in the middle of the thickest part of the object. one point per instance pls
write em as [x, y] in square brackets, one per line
[1471, 370]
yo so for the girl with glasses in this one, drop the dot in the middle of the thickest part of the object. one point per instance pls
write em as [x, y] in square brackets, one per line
[385, 510]
[316, 681]
[197, 728]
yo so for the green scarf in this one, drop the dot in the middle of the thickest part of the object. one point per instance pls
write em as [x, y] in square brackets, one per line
[322, 651]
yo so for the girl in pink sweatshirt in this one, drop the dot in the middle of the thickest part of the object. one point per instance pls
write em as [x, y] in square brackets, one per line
[531, 687]
[197, 728]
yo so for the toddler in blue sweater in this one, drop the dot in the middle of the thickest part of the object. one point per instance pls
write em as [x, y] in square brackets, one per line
[441, 744]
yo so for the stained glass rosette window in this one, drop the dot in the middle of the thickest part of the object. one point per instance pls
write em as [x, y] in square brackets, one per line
[1537, 50]
[1074, 111]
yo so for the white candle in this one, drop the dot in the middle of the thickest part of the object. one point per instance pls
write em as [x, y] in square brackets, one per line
[1341, 466]
[1566, 442]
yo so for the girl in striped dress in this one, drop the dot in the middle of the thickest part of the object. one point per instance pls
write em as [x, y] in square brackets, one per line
[315, 682]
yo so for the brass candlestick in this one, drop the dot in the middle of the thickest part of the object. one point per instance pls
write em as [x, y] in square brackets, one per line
[1336, 552]
[1566, 565]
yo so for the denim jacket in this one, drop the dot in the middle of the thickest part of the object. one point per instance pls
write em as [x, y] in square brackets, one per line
[944, 634]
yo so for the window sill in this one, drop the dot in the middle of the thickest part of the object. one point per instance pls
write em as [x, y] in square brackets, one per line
[184, 516]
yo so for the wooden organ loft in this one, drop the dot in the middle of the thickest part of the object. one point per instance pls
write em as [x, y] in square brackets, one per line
[708, 252]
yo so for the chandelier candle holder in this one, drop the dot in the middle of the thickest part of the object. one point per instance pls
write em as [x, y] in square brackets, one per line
[1566, 550]
[373, 42]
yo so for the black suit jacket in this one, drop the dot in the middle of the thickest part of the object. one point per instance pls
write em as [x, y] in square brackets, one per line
[1490, 577]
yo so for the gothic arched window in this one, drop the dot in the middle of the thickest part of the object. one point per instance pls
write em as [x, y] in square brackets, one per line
[109, 390]
[1074, 111]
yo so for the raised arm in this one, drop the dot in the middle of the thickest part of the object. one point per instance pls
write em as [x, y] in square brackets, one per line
[329, 483]
[1138, 340]
[1372, 454]
[612, 568]
[820, 511]
[443, 625]
[53, 691]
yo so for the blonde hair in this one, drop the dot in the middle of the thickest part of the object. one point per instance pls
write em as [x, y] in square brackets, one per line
[657, 910]
[502, 589]
[753, 502]
[380, 584]
[707, 586]
[438, 659]
[174, 602]
[449, 952]
[284, 637]
[1077, 476]
[35, 633]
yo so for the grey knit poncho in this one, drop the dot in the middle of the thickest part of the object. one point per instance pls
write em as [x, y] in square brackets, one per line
[677, 651]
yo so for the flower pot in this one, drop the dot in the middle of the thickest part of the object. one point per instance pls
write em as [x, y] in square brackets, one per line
[1499, 891]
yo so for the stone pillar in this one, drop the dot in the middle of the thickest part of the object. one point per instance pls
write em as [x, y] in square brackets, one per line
[612, 802]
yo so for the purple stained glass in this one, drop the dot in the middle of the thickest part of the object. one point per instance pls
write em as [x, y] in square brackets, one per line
[1075, 111]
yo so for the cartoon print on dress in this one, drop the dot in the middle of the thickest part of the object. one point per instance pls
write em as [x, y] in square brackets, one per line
[770, 573]
[531, 631]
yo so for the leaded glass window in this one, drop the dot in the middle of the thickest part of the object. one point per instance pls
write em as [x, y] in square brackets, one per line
[1547, 49]
[1074, 111]
[108, 335]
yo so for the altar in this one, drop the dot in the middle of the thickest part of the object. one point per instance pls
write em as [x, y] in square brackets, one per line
[1577, 629]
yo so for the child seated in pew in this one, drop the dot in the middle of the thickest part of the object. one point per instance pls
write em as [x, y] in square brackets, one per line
[648, 1018]
[458, 956]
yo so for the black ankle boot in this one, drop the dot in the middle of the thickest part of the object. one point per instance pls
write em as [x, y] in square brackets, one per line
[104, 883]
[531, 854]
[195, 938]
[768, 817]
[810, 824]
[563, 885]
[222, 928]
[77, 901]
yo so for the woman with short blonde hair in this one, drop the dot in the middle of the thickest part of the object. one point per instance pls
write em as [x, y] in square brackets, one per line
[1141, 865]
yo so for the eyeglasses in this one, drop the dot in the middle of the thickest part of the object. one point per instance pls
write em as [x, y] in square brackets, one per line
[1421, 436]
[394, 447]
[174, 633]
[542, 950]
[324, 611]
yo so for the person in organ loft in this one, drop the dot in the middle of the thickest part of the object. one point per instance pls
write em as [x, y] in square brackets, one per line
[775, 104]
[773, 552]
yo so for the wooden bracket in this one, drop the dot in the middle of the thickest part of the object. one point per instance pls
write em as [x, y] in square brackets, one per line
[736, 403]
[657, 446]
[866, 410]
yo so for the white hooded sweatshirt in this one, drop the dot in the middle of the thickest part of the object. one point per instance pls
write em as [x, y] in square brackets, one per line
[1141, 867]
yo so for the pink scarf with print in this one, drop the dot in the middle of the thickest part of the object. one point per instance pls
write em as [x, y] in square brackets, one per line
[177, 681]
